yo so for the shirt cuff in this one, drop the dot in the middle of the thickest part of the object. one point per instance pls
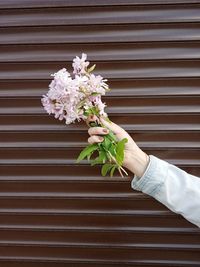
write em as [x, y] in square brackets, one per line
[153, 177]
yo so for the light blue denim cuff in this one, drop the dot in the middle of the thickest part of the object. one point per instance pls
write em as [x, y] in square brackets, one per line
[153, 177]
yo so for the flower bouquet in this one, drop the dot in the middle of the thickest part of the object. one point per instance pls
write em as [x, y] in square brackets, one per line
[78, 96]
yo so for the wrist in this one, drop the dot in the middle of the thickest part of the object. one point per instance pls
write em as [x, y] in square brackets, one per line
[137, 162]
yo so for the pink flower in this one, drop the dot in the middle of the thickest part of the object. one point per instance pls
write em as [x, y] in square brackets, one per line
[97, 84]
[80, 64]
[48, 104]
[100, 106]
[72, 99]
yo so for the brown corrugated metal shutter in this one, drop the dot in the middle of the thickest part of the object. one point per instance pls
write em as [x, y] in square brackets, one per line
[54, 213]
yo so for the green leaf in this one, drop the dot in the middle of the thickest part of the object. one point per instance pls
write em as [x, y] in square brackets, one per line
[102, 156]
[105, 168]
[92, 124]
[101, 159]
[95, 93]
[86, 113]
[86, 151]
[94, 110]
[112, 136]
[91, 68]
[120, 150]
[89, 155]
[113, 150]
[106, 143]
[112, 170]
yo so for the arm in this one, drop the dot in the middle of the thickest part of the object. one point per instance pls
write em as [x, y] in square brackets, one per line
[176, 189]
[173, 187]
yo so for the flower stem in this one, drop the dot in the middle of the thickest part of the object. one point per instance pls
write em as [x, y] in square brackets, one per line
[120, 168]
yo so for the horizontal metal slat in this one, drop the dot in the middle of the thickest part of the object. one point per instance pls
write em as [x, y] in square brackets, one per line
[76, 205]
[112, 110]
[135, 127]
[78, 145]
[112, 52]
[113, 102]
[65, 187]
[69, 3]
[83, 212]
[99, 34]
[104, 254]
[89, 221]
[119, 88]
[28, 177]
[68, 162]
[99, 15]
[52, 262]
[177, 238]
[177, 230]
[116, 92]
[124, 70]
[66, 195]
[68, 155]
[88, 174]
[186, 248]
[134, 122]
[62, 139]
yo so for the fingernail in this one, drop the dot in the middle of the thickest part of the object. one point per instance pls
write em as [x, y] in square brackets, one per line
[105, 130]
[100, 138]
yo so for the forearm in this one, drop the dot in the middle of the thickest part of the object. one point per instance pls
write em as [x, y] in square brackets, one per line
[173, 187]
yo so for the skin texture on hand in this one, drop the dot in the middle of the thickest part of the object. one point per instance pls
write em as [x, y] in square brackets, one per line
[135, 160]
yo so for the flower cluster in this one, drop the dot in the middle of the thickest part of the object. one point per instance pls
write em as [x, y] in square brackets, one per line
[75, 98]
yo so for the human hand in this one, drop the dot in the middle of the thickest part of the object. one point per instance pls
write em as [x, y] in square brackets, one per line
[135, 159]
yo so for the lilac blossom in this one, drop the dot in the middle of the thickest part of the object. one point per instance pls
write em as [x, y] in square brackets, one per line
[80, 64]
[97, 84]
[74, 98]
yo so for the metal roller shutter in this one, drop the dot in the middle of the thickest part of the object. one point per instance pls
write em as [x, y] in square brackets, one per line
[54, 213]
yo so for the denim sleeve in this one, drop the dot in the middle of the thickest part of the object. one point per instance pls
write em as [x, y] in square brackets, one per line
[176, 189]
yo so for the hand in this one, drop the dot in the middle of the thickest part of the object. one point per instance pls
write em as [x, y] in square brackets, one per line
[135, 159]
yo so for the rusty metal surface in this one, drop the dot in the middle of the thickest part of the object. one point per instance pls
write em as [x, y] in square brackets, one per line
[55, 213]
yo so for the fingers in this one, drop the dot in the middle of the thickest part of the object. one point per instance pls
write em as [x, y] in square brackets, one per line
[91, 118]
[95, 139]
[111, 125]
[94, 132]
[106, 127]
[97, 131]
[116, 129]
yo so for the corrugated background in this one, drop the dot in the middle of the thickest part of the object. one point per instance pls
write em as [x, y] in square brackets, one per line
[54, 213]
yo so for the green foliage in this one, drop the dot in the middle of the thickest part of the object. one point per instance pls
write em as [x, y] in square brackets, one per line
[106, 143]
[91, 68]
[95, 94]
[112, 170]
[105, 168]
[112, 137]
[93, 124]
[101, 159]
[87, 151]
[110, 154]
[120, 150]
[112, 150]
